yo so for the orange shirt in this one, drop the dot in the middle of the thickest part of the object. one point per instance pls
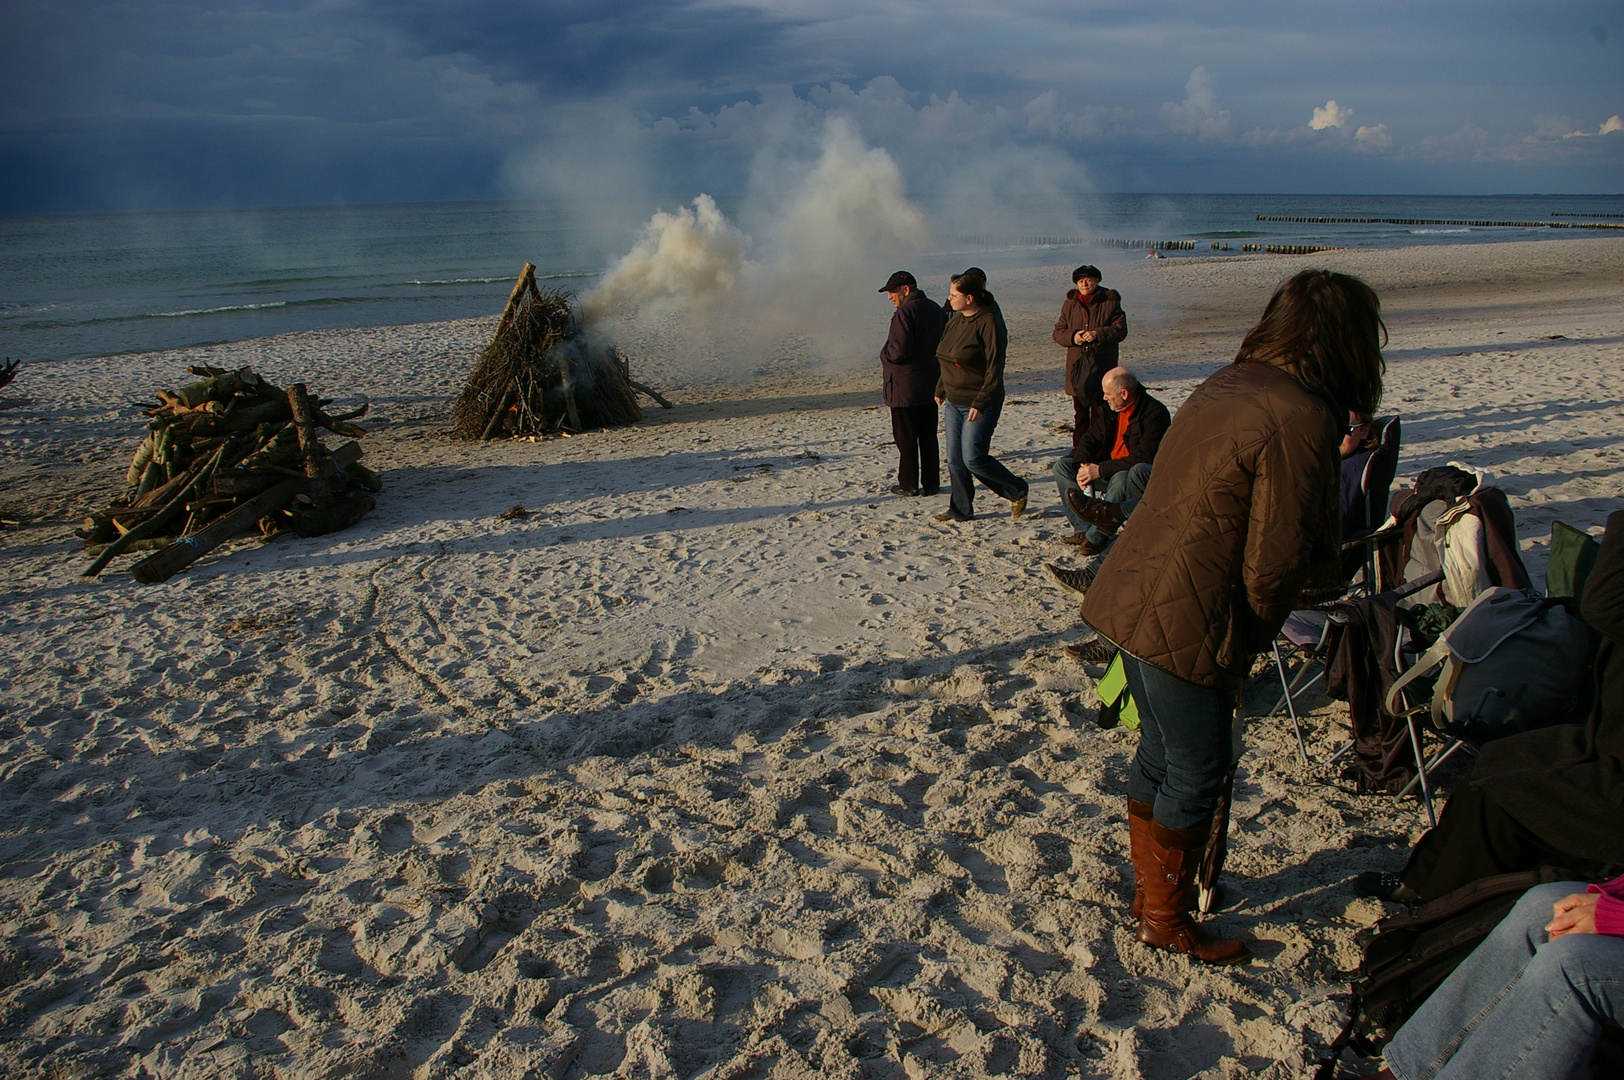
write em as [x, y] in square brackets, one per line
[1120, 448]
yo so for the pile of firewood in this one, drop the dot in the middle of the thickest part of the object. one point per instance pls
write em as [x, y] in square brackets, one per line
[544, 374]
[225, 455]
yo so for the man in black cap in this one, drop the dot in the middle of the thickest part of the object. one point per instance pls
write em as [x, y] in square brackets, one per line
[908, 363]
[1090, 326]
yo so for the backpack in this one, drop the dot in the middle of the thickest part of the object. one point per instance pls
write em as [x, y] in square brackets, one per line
[1510, 662]
[1406, 957]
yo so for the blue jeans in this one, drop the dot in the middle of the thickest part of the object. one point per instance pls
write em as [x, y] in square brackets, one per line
[1125, 487]
[968, 459]
[1520, 1006]
[1185, 745]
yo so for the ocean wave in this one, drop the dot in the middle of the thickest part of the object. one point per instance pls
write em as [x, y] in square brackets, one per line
[212, 310]
[564, 276]
[458, 281]
[1436, 232]
[189, 313]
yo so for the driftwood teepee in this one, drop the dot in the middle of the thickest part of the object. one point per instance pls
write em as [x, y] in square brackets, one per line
[542, 374]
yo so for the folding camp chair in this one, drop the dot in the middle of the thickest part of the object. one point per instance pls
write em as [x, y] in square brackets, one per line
[1573, 553]
[1362, 517]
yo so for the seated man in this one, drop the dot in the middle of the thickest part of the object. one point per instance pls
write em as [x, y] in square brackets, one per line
[1113, 459]
[1554, 796]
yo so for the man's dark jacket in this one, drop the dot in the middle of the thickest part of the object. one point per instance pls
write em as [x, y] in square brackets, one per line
[1146, 425]
[1565, 784]
[908, 361]
[1087, 364]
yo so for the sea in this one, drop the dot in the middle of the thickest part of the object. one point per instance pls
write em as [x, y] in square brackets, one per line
[79, 285]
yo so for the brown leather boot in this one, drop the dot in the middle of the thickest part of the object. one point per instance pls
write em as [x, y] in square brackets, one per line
[1107, 517]
[1167, 877]
[1140, 815]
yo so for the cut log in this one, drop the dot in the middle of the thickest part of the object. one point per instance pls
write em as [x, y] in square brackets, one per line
[151, 526]
[527, 280]
[312, 454]
[235, 483]
[182, 553]
[500, 413]
[648, 391]
[187, 550]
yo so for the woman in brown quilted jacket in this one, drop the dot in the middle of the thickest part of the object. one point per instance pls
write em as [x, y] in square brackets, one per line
[1242, 518]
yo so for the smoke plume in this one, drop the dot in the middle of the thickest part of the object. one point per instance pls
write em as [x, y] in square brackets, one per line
[830, 229]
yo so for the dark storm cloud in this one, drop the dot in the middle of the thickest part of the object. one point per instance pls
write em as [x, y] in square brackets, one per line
[584, 49]
[177, 102]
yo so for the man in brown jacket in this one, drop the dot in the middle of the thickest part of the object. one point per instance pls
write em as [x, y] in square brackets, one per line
[1241, 520]
[1091, 324]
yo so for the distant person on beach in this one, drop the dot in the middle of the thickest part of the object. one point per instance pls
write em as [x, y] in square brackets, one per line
[970, 390]
[1112, 461]
[1090, 326]
[1239, 525]
[909, 372]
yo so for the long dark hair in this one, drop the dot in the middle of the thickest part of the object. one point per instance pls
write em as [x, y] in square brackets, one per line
[1326, 329]
[973, 283]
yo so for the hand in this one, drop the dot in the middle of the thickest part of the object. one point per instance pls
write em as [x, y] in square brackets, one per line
[1087, 474]
[975, 414]
[1083, 337]
[939, 402]
[1574, 914]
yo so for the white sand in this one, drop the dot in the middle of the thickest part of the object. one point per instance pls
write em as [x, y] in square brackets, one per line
[723, 762]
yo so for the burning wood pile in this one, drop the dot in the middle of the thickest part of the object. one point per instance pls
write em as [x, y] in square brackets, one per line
[542, 374]
[225, 455]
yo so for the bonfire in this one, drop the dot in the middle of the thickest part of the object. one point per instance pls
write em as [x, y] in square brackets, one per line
[544, 374]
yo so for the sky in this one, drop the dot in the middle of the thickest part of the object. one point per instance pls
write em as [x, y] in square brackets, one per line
[146, 104]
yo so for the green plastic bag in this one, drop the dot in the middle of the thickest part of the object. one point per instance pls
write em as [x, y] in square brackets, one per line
[1116, 704]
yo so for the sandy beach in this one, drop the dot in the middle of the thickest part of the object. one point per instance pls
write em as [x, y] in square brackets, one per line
[717, 762]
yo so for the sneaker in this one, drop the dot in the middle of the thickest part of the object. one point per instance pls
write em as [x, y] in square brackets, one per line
[1017, 507]
[946, 515]
[1075, 581]
[1107, 517]
[1384, 885]
[898, 489]
[1093, 651]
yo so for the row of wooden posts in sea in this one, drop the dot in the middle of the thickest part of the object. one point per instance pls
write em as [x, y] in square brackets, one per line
[1472, 223]
[1067, 241]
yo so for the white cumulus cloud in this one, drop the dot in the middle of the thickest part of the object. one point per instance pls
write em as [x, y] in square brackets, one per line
[1373, 137]
[1331, 116]
[1198, 114]
[1608, 126]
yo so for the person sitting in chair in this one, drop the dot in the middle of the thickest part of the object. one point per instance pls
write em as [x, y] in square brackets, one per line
[1112, 458]
[1531, 1000]
[1361, 441]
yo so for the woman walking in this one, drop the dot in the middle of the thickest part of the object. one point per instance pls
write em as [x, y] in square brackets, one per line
[971, 394]
[1240, 523]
